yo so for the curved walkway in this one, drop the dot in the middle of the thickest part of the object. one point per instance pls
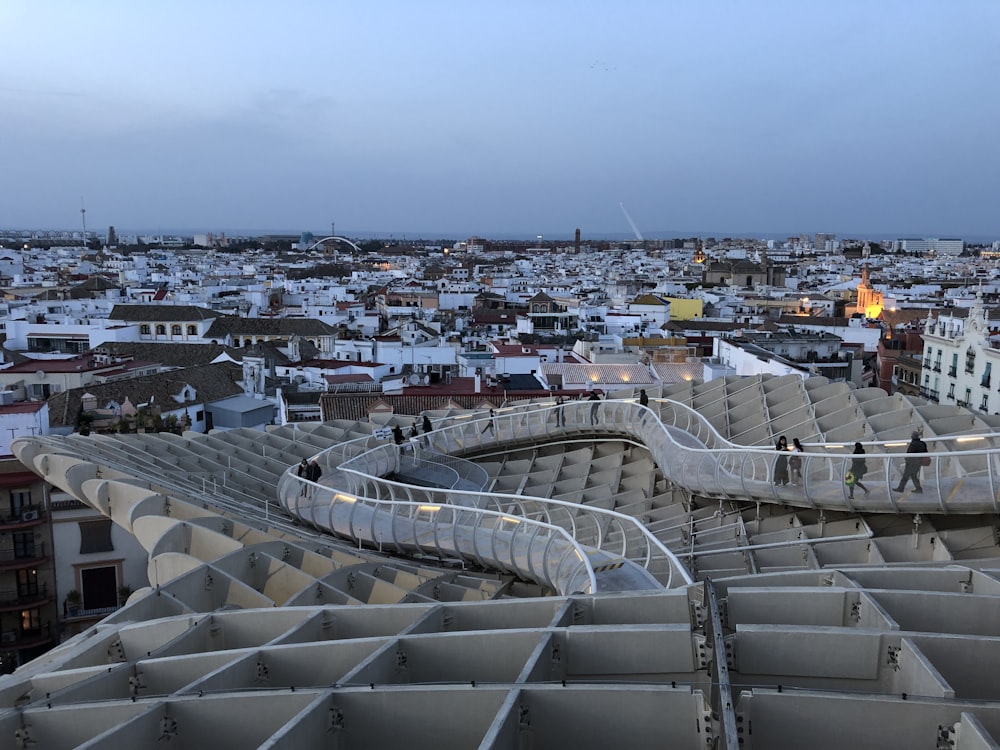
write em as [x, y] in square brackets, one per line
[572, 547]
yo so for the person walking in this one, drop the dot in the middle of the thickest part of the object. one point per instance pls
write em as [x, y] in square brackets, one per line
[643, 398]
[489, 424]
[914, 460]
[781, 463]
[303, 473]
[593, 409]
[427, 425]
[859, 467]
[397, 435]
[414, 432]
[795, 462]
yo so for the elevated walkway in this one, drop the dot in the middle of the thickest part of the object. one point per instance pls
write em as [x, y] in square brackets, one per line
[508, 532]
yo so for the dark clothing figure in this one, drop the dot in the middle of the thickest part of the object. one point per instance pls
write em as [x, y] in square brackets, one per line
[795, 462]
[489, 424]
[593, 409]
[303, 472]
[859, 467]
[914, 460]
[413, 430]
[314, 472]
[397, 435]
[427, 425]
[781, 463]
[643, 398]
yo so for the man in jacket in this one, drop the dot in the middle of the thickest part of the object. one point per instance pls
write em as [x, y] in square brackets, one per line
[915, 453]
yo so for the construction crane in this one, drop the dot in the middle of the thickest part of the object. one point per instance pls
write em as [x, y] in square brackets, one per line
[638, 234]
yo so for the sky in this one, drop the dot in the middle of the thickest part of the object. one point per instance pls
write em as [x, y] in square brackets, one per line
[520, 117]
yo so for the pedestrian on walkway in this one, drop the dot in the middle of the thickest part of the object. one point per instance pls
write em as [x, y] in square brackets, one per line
[643, 398]
[427, 425]
[915, 458]
[859, 467]
[489, 424]
[594, 409]
[795, 462]
[781, 463]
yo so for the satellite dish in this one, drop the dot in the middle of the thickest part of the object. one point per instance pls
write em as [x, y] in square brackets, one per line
[40, 374]
[414, 379]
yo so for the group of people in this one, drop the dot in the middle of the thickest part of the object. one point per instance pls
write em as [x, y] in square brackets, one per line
[310, 471]
[397, 432]
[788, 469]
[788, 465]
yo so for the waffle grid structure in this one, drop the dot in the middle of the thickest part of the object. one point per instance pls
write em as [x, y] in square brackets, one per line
[806, 625]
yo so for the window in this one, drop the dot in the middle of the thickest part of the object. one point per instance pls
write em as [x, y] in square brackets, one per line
[951, 391]
[95, 536]
[984, 404]
[199, 415]
[24, 545]
[953, 370]
[175, 330]
[144, 329]
[986, 375]
[31, 621]
[19, 501]
[27, 583]
[970, 360]
[192, 330]
[161, 330]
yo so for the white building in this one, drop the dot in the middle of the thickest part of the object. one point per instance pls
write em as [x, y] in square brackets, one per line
[957, 366]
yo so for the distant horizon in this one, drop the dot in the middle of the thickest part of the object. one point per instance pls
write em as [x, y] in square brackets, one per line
[624, 235]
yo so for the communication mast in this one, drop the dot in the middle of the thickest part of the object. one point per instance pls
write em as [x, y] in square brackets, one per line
[83, 218]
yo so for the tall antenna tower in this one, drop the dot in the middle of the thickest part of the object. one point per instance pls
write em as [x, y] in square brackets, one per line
[83, 218]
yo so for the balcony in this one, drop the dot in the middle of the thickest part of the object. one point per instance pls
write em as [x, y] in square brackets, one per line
[28, 557]
[25, 518]
[14, 600]
[18, 639]
[962, 403]
[952, 371]
[926, 365]
[930, 394]
[937, 367]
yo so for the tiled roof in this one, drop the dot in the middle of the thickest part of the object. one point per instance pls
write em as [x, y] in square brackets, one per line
[190, 355]
[237, 326]
[609, 374]
[171, 355]
[161, 313]
[211, 383]
[670, 373]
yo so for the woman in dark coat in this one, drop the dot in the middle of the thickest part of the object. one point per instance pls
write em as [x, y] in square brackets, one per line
[781, 463]
[858, 468]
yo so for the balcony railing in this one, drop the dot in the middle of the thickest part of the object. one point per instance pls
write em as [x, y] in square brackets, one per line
[952, 371]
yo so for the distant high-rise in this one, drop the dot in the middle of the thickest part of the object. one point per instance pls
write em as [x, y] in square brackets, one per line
[824, 242]
[112, 239]
[943, 246]
[576, 241]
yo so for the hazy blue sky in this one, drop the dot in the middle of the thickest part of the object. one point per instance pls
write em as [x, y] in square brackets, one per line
[426, 117]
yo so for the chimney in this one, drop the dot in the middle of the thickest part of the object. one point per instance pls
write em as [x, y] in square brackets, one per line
[479, 383]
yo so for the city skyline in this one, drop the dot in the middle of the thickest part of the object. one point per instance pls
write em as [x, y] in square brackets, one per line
[452, 120]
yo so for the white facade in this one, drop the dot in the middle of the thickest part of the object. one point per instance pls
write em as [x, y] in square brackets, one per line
[958, 362]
